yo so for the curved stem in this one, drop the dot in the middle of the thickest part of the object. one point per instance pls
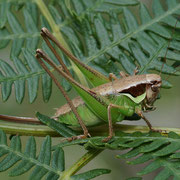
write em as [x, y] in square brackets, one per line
[80, 163]
[27, 129]
[30, 128]
[100, 131]
[56, 32]
[55, 28]
[18, 119]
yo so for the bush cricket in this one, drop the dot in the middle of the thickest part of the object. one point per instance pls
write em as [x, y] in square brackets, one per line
[111, 100]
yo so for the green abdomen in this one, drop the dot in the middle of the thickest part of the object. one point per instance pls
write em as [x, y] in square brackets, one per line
[92, 118]
[67, 116]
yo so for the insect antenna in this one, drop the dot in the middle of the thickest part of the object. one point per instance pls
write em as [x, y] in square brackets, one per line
[169, 41]
[170, 75]
[17, 119]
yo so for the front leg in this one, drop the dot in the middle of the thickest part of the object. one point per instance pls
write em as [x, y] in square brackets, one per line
[147, 108]
[139, 112]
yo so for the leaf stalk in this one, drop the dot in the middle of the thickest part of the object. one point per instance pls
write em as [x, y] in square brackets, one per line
[91, 154]
[43, 130]
[56, 32]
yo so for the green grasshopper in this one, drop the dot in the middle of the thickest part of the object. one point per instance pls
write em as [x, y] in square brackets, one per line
[111, 100]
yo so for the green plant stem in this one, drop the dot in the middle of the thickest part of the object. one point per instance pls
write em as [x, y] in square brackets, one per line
[80, 163]
[56, 32]
[27, 129]
[55, 28]
[43, 130]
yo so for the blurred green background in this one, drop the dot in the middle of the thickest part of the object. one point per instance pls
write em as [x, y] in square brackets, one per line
[166, 115]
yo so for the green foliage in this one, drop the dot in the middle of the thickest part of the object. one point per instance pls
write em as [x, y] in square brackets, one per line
[106, 35]
[103, 34]
[160, 151]
[57, 126]
[48, 164]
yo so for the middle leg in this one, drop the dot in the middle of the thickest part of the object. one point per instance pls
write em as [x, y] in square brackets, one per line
[110, 106]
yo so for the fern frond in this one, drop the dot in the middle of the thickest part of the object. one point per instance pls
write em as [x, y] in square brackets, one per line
[28, 70]
[162, 153]
[61, 128]
[52, 166]
[128, 42]
[27, 37]
[18, 35]
[159, 150]
[103, 41]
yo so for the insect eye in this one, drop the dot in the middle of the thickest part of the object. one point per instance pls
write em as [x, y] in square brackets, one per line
[153, 82]
[154, 88]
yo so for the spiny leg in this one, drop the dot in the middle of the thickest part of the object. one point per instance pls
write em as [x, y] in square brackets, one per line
[110, 106]
[97, 78]
[148, 123]
[40, 54]
[45, 33]
[45, 37]
[110, 125]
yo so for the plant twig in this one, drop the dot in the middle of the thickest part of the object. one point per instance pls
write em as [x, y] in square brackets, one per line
[56, 32]
[91, 154]
[27, 129]
[43, 130]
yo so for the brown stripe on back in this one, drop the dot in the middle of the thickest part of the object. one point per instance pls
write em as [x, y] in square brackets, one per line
[135, 90]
